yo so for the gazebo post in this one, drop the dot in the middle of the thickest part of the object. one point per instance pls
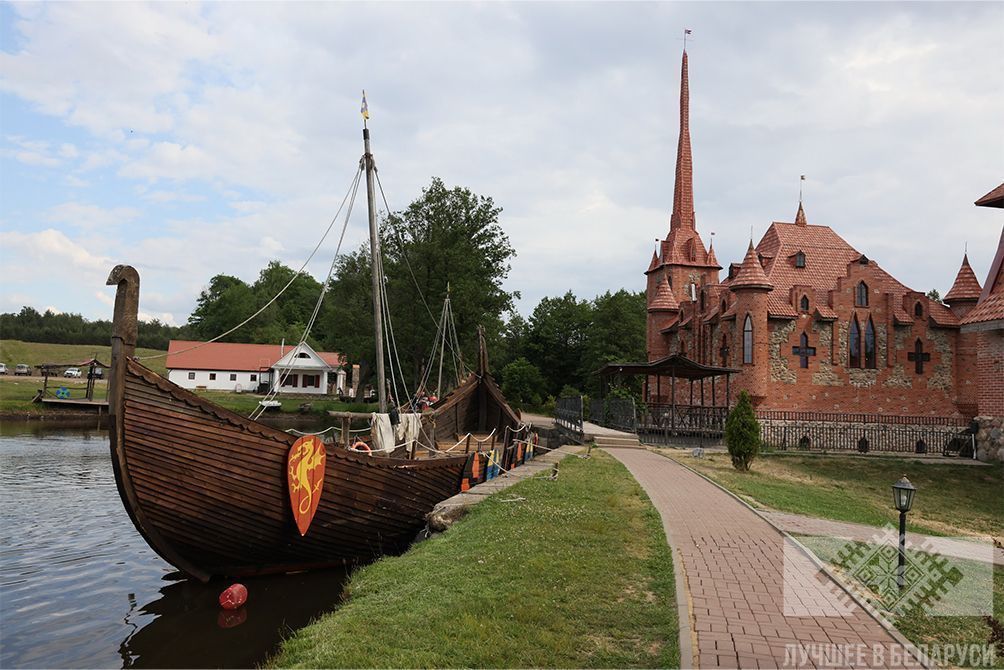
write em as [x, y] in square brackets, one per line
[728, 390]
[672, 416]
[714, 396]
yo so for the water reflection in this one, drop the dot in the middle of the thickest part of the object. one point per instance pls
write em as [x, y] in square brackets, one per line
[80, 587]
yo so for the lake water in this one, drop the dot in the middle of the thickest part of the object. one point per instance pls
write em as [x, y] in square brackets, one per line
[79, 587]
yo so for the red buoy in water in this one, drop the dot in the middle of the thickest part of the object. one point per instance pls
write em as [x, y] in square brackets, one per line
[233, 597]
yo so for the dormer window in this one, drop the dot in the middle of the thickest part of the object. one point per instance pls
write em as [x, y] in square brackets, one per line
[861, 295]
[303, 354]
[918, 310]
[800, 260]
[863, 260]
[804, 303]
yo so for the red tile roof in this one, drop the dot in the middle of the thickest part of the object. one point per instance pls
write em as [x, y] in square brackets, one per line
[994, 198]
[182, 354]
[751, 274]
[991, 309]
[825, 313]
[991, 304]
[664, 300]
[654, 264]
[966, 286]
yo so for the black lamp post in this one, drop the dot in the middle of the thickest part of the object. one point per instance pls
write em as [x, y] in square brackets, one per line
[902, 498]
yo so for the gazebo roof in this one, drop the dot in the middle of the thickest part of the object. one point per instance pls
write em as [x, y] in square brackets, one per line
[675, 365]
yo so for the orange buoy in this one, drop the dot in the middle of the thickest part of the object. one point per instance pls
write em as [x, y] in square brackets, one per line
[233, 596]
[362, 446]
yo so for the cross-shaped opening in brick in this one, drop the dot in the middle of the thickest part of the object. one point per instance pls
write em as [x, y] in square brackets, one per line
[918, 356]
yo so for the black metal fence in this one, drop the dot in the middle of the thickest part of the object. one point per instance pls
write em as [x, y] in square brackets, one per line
[662, 423]
[568, 414]
[616, 413]
[819, 431]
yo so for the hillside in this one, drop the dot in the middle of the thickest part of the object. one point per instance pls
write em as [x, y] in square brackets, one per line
[13, 352]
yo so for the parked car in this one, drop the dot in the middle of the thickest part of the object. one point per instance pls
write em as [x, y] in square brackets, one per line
[98, 373]
[22, 370]
[3, 368]
[72, 372]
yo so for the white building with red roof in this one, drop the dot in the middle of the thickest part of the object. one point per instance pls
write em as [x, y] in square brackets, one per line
[228, 366]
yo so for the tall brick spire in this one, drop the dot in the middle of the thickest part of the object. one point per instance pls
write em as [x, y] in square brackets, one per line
[683, 193]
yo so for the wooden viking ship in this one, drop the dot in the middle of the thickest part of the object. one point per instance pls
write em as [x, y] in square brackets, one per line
[218, 494]
[476, 408]
[207, 488]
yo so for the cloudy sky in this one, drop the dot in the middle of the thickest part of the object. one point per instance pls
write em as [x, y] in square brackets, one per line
[194, 139]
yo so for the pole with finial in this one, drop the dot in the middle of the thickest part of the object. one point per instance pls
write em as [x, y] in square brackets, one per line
[686, 31]
[376, 265]
[800, 182]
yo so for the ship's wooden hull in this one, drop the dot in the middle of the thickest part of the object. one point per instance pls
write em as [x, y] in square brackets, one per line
[208, 488]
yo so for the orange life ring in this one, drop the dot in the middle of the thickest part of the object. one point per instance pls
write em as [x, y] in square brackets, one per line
[362, 446]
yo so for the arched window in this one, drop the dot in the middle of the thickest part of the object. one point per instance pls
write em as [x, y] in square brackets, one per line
[918, 310]
[683, 346]
[702, 301]
[869, 345]
[800, 260]
[724, 351]
[691, 250]
[748, 340]
[854, 345]
[861, 296]
[724, 305]
[804, 304]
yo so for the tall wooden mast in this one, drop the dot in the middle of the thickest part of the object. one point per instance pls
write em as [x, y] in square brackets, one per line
[376, 265]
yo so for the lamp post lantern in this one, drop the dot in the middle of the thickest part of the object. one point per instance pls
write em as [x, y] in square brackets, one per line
[902, 498]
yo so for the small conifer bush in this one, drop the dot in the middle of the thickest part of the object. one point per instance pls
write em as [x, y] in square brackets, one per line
[742, 434]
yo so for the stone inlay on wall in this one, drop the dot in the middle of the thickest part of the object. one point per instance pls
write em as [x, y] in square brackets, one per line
[780, 371]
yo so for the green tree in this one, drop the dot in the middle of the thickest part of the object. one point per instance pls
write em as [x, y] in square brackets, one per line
[742, 433]
[447, 238]
[934, 295]
[556, 340]
[220, 306]
[616, 332]
[522, 383]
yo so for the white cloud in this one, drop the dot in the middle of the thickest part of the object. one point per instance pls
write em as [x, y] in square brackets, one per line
[565, 114]
[91, 217]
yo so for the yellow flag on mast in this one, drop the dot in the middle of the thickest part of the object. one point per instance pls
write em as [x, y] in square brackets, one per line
[365, 108]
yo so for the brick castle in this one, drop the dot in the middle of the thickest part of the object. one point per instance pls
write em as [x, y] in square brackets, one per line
[813, 324]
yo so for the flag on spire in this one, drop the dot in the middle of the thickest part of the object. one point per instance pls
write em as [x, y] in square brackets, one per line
[365, 108]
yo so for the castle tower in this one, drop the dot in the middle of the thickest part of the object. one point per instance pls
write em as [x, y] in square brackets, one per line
[961, 299]
[682, 261]
[751, 287]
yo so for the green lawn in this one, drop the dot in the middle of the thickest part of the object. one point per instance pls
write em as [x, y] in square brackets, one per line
[951, 499]
[13, 352]
[573, 572]
[972, 586]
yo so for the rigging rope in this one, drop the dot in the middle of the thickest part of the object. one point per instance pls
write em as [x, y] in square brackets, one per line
[408, 264]
[274, 390]
[352, 186]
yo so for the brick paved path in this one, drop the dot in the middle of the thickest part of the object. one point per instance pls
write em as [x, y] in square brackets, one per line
[754, 603]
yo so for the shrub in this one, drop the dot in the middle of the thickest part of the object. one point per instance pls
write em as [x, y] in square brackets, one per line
[742, 434]
[522, 383]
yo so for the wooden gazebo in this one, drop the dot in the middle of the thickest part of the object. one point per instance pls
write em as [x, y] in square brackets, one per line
[669, 411]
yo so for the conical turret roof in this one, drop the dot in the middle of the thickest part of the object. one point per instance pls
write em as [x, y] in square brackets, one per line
[654, 264]
[751, 274]
[966, 286]
[800, 216]
[664, 300]
[712, 260]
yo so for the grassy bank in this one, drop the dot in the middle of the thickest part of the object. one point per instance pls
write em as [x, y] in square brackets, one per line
[976, 589]
[13, 352]
[950, 500]
[574, 572]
